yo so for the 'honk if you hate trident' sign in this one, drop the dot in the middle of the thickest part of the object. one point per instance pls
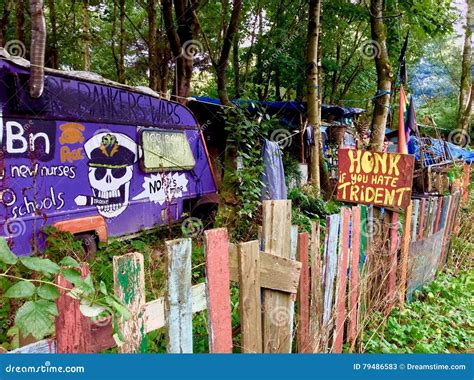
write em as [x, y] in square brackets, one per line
[380, 179]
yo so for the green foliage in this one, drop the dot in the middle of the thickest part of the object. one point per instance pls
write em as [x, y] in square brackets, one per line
[31, 280]
[438, 320]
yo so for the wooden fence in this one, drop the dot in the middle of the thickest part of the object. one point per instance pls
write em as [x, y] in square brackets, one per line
[298, 291]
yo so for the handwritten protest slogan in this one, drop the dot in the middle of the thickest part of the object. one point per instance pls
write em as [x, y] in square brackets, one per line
[381, 179]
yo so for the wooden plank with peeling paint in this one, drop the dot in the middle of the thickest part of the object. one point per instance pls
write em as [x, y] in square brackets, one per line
[276, 233]
[434, 213]
[45, 346]
[438, 214]
[343, 263]
[293, 252]
[179, 309]
[73, 329]
[218, 290]
[421, 219]
[129, 287]
[332, 241]
[416, 211]
[316, 299]
[405, 250]
[250, 297]
[353, 313]
[363, 236]
[428, 215]
[303, 341]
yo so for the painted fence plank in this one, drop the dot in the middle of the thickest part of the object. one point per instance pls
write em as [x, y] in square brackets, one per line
[294, 248]
[421, 219]
[444, 211]
[250, 297]
[404, 253]
[392, 259]
[129, 286]
[353, 314]
[450, 226]
[218, 290]
[416, 210]
[303, 341]
[277, 273]
[363, 236]
[428, 214]
[316, 299]
[343, 263]
[73, 329]
[154, 314]
[45, 346]
[276, 231]
[438, 214]
[330, 259]
[179, 298]
[434, 213]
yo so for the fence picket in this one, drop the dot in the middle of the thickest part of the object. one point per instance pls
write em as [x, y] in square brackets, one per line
[218, 290]
[129, 285]
[179, 298]
[316, 299]
[303, 294]
[353, 314]
[250, 297]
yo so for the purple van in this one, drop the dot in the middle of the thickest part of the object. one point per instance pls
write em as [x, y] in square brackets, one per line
[94, 158]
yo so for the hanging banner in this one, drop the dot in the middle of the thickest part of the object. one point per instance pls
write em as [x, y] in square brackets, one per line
[380, 179]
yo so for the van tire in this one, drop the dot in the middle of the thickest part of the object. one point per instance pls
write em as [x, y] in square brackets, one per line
[89, 243]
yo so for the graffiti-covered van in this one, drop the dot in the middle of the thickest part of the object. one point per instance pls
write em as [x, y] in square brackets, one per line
[93, 157]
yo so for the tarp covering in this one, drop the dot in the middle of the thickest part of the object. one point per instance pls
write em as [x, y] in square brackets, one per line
[439, 148]
[273, 177]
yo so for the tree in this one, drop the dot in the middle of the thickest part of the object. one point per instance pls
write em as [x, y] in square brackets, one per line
[384, 75]
[20, 20]
[313, 101]
[182, 41]
[86, 35]
[465, 94]
[4, 21]
[53, 54]
[152, 46]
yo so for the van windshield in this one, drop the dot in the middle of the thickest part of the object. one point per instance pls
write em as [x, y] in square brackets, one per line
[164, 151]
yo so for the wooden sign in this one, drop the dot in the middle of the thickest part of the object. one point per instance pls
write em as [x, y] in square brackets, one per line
[381, 179]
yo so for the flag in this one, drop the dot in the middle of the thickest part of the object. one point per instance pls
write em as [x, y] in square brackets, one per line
[410, 123]
[402, 137]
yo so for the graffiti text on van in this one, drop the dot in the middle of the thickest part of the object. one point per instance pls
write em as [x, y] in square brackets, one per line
[160, 188]
[27, 206]
[27, 139]
[25, 171]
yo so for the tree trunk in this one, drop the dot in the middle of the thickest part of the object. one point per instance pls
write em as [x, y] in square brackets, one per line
[86, 35]
[112, 38]
[313, 101]
[384, 76]
[236, 65]
[154, 80]
[121, 57]
[465, 94]
[53, 60]
[4, 21]
[20, 20]
[225, 53]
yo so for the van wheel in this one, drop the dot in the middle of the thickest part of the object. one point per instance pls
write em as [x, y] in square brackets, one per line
[89, 244]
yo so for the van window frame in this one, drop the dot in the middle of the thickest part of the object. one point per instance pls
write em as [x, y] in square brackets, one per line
[176, 130]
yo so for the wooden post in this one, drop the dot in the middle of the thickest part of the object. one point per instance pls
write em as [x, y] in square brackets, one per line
[404, 254]
[73, 329]
[303, 294]
[250, 297]
[316, 303]
[129, 285]
[342, 280]
[276, 232]
[179, 319]
[353, 314]
[218, 290]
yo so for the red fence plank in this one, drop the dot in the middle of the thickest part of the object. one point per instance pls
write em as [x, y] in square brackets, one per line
[342, 280]
[218, 282]
[73, 330]
[354, 272]
[303, 339]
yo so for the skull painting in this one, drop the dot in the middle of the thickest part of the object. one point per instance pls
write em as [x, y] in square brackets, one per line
[111, 158]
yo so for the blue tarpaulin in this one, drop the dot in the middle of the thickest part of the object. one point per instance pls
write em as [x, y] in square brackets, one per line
[439, 148]
[273, 177]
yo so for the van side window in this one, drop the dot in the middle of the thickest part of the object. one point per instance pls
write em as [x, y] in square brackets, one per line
[165, 151]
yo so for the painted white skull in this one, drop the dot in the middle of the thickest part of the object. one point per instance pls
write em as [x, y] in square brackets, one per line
[111, 189]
